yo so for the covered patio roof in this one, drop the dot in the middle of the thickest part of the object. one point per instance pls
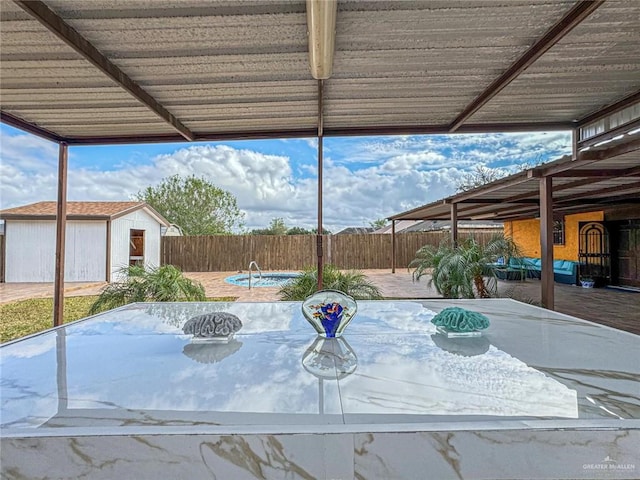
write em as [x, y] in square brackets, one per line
[158, 70]
[597, 180]
[132, 71]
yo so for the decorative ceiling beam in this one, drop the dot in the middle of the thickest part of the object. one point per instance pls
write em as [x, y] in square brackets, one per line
[75, 40]
[579, 12]
[614, 107]
[29, 127]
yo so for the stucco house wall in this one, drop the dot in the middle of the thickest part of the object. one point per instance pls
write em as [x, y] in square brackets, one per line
[526, 234]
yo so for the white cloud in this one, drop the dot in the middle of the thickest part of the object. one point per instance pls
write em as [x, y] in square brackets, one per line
[364, 179]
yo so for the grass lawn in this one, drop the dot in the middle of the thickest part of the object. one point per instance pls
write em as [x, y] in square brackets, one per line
[25, 317]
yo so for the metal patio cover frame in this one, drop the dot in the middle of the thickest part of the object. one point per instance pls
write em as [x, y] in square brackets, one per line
[136, 71]
[601, 178]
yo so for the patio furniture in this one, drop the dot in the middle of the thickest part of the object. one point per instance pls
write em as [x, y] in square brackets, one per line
[513, 269]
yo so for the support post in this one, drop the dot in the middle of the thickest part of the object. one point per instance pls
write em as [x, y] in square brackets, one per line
[454, 224]
[61, 226]
[546, 241]
[320, 161]
[575, 133]
[393, 246]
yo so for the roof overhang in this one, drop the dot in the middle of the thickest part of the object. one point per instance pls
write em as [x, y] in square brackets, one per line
[112, 72]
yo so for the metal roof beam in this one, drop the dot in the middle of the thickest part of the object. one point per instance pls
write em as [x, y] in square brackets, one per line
[497, 200]
[71, 37]
[29, 127]
[312, 132]
[490, 188]
[568, 22]
[604, 191]
[610, 173]
[621, 149]
[442, 129]
[603, 137]
[614, 107]
[416, 210]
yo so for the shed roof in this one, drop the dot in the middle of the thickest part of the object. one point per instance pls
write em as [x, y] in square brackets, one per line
[78, 211]
[157, 70]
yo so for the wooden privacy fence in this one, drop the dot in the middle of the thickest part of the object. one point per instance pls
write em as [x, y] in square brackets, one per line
[224, 253]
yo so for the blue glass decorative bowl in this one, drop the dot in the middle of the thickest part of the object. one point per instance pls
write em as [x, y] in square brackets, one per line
[329, 312]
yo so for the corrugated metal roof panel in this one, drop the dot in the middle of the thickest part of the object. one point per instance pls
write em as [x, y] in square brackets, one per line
[397, 63]
[595, 65]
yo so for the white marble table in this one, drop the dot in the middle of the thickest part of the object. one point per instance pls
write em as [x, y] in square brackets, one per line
[126, 394]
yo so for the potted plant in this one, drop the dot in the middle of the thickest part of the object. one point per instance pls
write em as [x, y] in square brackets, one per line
[587, 282]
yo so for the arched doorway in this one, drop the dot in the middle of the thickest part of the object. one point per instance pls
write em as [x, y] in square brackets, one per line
[594, 252]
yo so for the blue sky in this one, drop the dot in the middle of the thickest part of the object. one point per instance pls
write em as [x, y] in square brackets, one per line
[365, 178]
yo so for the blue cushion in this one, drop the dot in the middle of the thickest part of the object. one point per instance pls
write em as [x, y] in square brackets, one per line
[515, 262]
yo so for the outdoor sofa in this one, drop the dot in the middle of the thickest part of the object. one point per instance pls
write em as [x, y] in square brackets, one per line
[564, 271]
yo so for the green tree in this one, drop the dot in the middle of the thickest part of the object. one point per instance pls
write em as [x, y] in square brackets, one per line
[379, 223]
[276, 227]
[298, 231]
[479, 176]
[461, 271]
[197, 206]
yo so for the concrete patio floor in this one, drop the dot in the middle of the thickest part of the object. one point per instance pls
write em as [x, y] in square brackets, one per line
[615, 308]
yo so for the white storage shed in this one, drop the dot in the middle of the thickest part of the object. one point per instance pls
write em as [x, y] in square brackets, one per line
[101, 239]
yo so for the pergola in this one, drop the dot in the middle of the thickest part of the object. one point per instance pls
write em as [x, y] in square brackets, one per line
[600, 178]
[135, 71]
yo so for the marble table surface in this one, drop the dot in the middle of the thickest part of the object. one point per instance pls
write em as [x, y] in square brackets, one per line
[535, 376]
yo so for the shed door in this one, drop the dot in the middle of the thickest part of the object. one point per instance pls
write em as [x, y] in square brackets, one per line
[136, 247]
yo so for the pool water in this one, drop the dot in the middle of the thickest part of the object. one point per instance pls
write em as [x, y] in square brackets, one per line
[267, 280]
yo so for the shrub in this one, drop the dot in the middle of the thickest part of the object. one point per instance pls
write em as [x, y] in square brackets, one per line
[162, 284]
[462, 271]
[352, 283]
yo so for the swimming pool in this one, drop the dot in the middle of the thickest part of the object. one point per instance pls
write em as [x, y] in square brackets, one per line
[267, 280]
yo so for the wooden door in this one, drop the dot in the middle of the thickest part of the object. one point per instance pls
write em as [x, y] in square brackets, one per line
[627, 250]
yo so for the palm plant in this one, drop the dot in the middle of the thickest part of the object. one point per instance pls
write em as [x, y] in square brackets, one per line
[352, 283]
[162, 284]
[460, 271]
